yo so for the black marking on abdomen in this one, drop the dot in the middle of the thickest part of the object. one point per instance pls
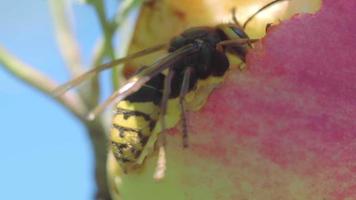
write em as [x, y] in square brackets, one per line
[134, 113]
[122, 133]
[118, 152]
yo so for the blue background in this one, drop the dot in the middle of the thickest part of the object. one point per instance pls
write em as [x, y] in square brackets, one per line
[44, 151]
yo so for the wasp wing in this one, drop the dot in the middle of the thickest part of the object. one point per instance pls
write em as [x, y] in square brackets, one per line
[76, 81]
[137, 81]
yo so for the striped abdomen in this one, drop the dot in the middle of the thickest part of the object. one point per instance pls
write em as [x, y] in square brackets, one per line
[133, 121]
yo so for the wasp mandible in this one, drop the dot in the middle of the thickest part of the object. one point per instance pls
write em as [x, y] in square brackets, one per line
[193, 56]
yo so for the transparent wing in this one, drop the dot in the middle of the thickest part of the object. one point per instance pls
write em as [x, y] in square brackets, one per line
[137, 81]
[76, 81]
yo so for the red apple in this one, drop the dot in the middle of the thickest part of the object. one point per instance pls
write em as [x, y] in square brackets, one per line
[282, 129]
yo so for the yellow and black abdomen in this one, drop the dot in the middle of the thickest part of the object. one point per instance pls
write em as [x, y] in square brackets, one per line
[134, 120]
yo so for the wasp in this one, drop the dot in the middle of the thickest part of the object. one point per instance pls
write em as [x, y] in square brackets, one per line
[193, 56]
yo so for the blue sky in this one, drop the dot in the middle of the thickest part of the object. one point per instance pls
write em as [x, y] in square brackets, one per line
[44, 150]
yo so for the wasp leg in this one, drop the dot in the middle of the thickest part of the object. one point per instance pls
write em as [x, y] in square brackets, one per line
[183, 91]
[161, 162]
[165, 97]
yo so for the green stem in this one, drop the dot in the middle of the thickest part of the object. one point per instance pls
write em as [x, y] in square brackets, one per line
[108, 30]
[70, 50]
[66, 40]
[96, 132]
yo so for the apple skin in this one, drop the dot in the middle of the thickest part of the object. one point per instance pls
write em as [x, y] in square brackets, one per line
[286, 126]
[282, 129]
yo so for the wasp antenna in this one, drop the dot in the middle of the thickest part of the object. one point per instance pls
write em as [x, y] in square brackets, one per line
[260, 10]
[234, 19]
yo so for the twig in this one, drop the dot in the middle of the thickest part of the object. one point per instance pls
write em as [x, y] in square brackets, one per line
[69, 48]
[124, 10]
[119, 19]
[96, 58]
[98, 140]
[107, 29]
[67, 42]
[124, 22]
[28, 74]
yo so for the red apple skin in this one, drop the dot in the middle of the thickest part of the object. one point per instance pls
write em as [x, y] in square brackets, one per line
[293, 109]
[283, 129]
